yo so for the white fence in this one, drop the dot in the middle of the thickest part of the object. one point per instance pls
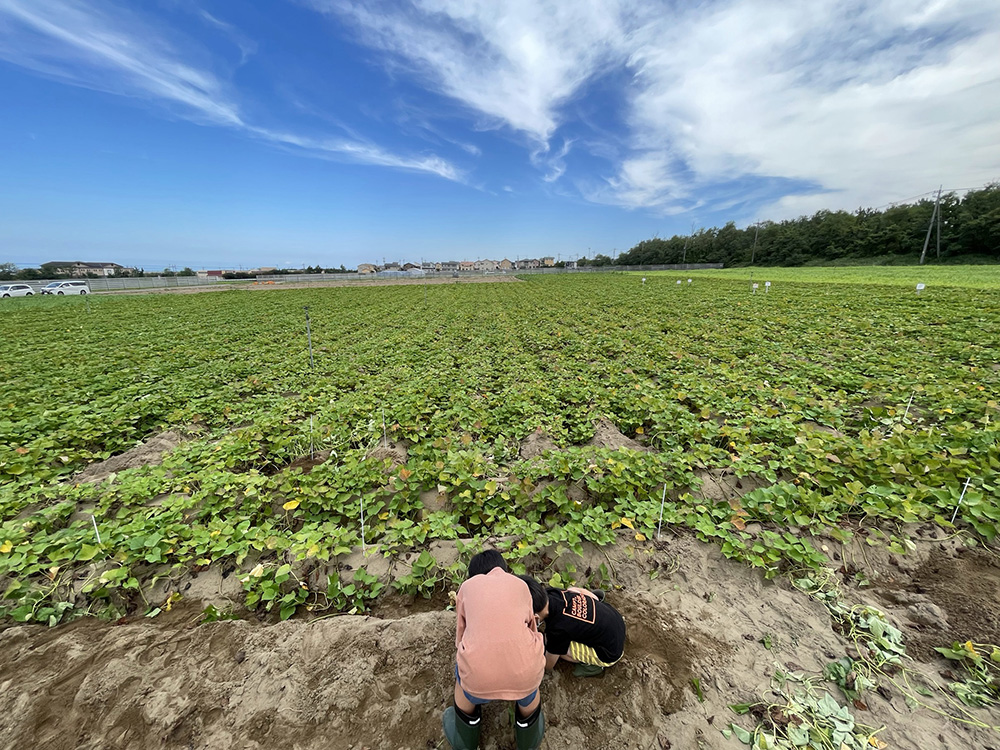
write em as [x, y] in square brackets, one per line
[112, 284]
[299, 278]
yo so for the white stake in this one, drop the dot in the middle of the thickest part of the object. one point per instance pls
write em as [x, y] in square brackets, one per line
[95, 530]
[908, 406]
[311, 450]
[662, 501]
[385, 437]
[962, 497]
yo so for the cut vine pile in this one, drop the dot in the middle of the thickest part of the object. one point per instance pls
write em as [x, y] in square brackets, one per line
[161, 451]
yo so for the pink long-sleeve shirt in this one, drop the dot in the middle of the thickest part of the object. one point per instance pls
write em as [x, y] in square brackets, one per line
[501, 654]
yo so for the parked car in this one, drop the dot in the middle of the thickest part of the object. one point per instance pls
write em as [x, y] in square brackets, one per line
[66, 287]
[16, 290]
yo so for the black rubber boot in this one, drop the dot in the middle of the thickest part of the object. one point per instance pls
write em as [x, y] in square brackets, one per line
[587, 670]
[599, 593]
[529, 731]
[462, 730]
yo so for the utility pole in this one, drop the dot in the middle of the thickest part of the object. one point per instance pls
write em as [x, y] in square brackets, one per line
[939, 222]
[930, 228]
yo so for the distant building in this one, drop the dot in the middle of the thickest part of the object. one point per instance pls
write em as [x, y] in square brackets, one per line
[466, 265]
[391, 267]
[548, 261]
[82, 268]
[410, 266]
[430, 266]
[529, 263]
[486, 265]
[367, 268]
[505, 265]
[449, 265]
[570, 264]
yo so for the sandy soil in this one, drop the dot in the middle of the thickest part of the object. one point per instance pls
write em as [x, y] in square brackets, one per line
[148, 453]
[383, 681]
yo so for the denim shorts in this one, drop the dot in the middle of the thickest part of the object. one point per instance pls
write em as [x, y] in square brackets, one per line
[523, 702]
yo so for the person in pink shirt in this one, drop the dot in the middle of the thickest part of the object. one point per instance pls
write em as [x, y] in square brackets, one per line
[500, 654]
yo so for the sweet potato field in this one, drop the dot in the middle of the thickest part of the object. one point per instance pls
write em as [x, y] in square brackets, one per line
[537, 415]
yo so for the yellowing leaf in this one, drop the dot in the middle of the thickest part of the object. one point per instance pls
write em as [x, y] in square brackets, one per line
[627, 522]
[639, 430]
[640, 537]
[291, 505]
[6, 547]
[258, 571]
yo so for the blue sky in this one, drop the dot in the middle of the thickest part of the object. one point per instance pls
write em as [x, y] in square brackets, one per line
[303, 132]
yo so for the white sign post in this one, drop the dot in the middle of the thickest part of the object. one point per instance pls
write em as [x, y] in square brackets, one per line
[767, 286]
[755, 288]
[920, 288]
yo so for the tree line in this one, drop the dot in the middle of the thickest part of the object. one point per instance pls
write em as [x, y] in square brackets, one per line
[970, 232]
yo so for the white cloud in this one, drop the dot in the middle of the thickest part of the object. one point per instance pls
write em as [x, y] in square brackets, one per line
[856, 99]
[844, 102]
[117, 52]
[515, 62]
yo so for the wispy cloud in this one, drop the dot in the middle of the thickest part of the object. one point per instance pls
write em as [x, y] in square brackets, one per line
[513, 63]
[860, 101]
[112, 49]
[829, 103]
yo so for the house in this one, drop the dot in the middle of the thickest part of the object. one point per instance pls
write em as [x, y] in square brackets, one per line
[570, 264]
[466, 265]
[366, 268]
[82, 268]
[449, 265]
[410, 266]
[391, 267]
[505, 265]
[548, 261]
[486, 265]
[529, 263]
[263, 270]
[430, 266]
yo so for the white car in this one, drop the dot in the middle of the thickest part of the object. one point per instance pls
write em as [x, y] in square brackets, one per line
[16, 290]
[66, 287]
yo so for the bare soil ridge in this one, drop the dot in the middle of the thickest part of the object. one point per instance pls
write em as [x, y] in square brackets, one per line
[369, 682]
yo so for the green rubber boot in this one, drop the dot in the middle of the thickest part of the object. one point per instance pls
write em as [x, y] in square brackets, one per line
[462, 734]
[529, 732]
[587, 670]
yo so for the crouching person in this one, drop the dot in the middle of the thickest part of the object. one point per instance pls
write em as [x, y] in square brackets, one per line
[501, 654]
[580, 627]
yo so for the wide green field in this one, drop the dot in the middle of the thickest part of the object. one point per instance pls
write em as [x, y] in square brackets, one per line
[972, 277]
[843, 403]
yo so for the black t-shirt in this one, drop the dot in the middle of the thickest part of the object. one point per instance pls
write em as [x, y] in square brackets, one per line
[581, 618]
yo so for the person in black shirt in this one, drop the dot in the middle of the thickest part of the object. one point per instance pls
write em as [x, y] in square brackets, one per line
[579, 627]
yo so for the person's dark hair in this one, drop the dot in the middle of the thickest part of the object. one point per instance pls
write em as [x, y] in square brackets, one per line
[485, 561]
[539, 597]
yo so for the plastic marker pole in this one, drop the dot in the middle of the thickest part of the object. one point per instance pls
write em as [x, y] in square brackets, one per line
[310, 337]
[755, 288]
[921, 287]
[663, 499]
[643, 279]
[962, 497]
[767, 286]
[95, 529]
[678, 281]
